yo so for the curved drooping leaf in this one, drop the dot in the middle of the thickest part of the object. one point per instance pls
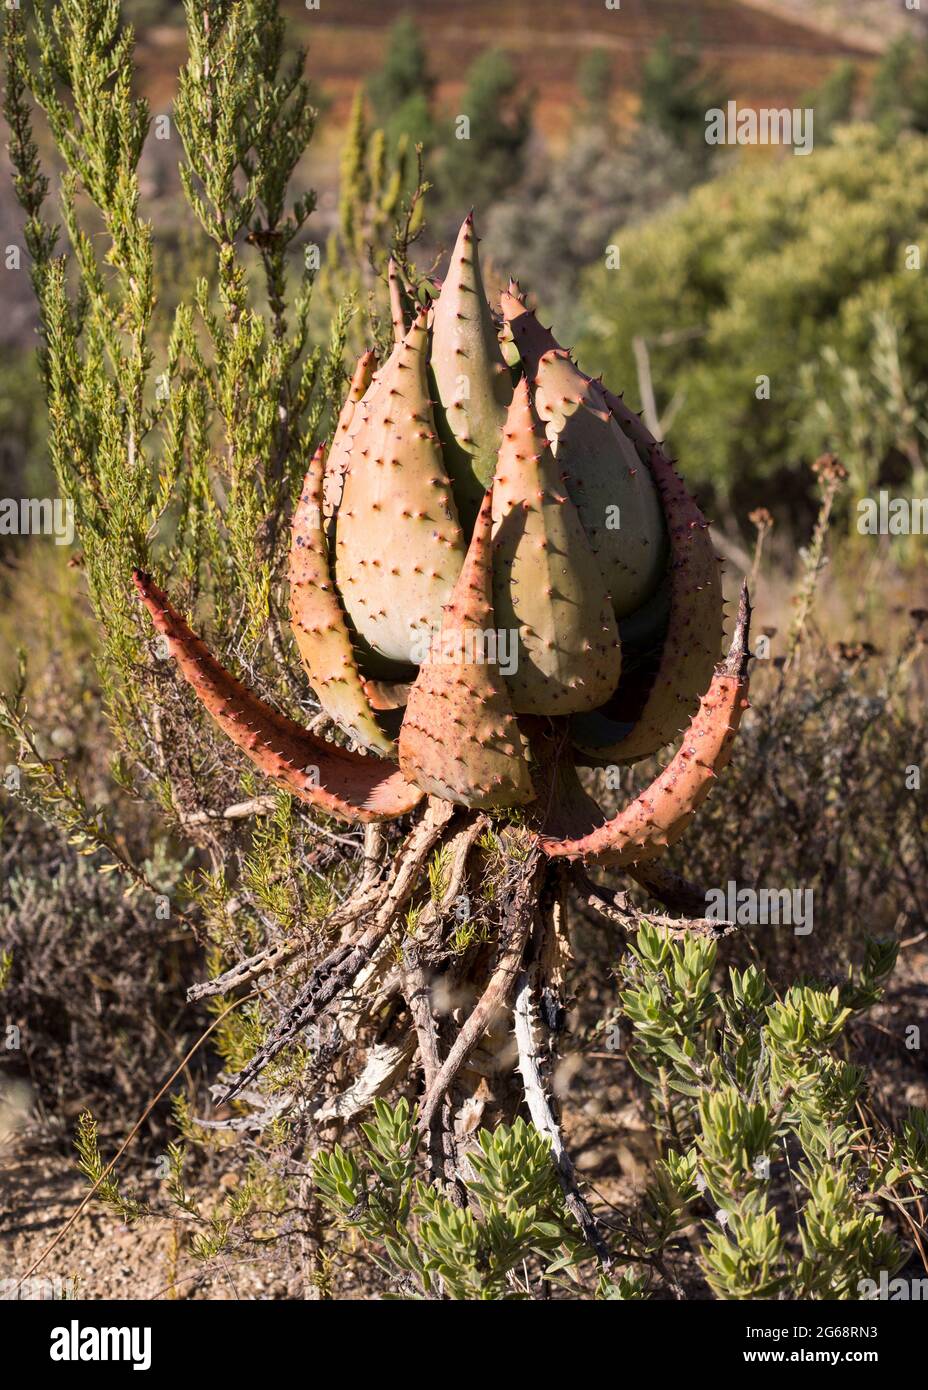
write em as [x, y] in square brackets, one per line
[660, 814]
[344, 784]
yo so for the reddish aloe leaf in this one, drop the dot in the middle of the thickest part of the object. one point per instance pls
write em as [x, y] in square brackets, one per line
[459, 738]
[471, 381]
[386, 695]
[318, 622]
[548, 585]
[339, 782]
[694, 632]
[399, 547]
[659, 816]
[361, 383]
[615, 496]
[694, 628]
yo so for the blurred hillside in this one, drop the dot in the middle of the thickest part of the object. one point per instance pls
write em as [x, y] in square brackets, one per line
[593, 161]
[764, 50]
[763, 55]
[869, 23]
[760, 51]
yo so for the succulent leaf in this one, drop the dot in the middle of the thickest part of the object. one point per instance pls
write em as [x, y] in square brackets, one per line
[341, 783]
[318, 622]
[662, 702]
[694, 630]
[387, 695]
[460, 739]
[472, 382]
[399, 546]
[648, 624]
[659, 816]
[614, 494]
[548, 586]
[337, 458]
[397, 302]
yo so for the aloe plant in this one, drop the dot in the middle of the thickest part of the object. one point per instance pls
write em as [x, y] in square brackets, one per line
[496, 577]
[482, 496]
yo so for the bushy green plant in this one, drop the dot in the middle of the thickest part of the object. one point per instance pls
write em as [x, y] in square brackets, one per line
[402, 90]
[833, 101]
[899, 93]
[753, 278]
[438, 1246]
[676, 92]
[759, 1114]
[381, 214]
[179, 443]
[759, 1117]
[179, 438]
[594, 83]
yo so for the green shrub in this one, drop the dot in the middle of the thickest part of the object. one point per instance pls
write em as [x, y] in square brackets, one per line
[434, 1244]
[759, 1112]
[756, 275]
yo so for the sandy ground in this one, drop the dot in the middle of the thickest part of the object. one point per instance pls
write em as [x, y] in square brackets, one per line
[100, 1257]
